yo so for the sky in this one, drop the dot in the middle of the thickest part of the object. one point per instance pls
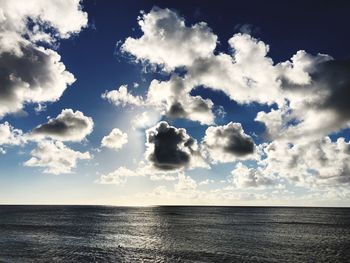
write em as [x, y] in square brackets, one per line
[174, 103]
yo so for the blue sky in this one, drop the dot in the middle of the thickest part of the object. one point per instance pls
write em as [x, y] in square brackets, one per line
[251, 96]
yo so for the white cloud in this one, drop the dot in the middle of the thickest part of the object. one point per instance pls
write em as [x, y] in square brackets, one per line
[55, 158]
[115, 139]
[316, 88]
[309, 164]
[45, 14]
[243, 177]
[275, 121]
[165, 36]
[309, 91]
[247, 75]
[122, 97]
[67, 126]
[172, 98]
[31, 73]
[10, 136]
[34, 76]
[228, 143]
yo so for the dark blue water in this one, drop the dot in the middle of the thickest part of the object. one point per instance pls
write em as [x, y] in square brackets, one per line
[173, 234]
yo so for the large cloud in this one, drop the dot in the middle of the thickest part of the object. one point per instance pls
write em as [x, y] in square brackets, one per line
[67, 126]
[310, 91]
[55, 157]
[316, 88]
[30, 73]
[115, 139]
[171, 148]
[228, 143]
[168, 42]
[45, 15]
[36, 75]
[247, 75]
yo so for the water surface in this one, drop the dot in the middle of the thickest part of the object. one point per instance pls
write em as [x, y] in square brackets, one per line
[173, 234]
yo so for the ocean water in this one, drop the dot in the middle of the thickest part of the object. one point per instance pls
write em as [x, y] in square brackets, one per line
[173, 234]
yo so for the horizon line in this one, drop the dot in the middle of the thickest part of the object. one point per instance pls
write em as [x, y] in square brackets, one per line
[181, 205]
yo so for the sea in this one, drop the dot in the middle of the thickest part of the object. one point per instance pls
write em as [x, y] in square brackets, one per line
[174, 234]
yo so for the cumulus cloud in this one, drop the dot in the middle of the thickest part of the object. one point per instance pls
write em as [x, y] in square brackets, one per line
[115, 139]
[316, 88]
[243, 177]
[228, 143]
[31, 73]
[275, 121]
[309, 164]
[166, 30]
[10, 136]
[35, 75]
[122, 97]
[308, 90]
[67, 126]
[45, 15]
[171, 148]
[246, 75]
[172, 98]
[55, 157]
